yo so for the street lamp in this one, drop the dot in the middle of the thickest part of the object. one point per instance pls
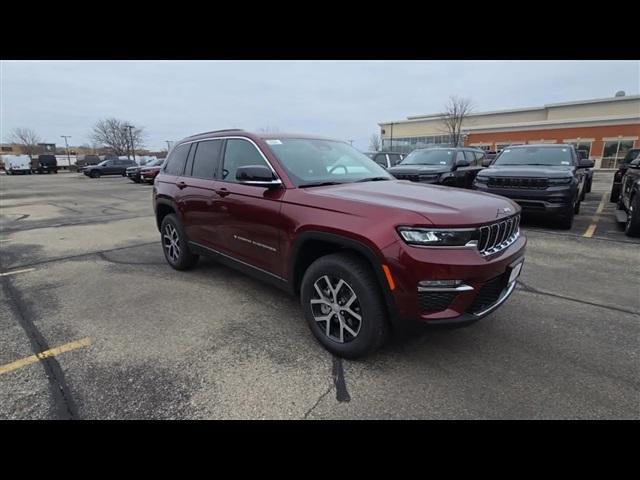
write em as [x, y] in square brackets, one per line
[67, 145]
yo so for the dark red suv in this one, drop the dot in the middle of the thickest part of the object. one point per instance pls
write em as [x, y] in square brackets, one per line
[319, 219]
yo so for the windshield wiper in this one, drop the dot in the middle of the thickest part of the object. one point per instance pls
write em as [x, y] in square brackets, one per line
[372, 179]
[319, 184]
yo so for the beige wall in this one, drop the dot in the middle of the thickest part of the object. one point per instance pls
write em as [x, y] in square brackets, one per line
[435, 126]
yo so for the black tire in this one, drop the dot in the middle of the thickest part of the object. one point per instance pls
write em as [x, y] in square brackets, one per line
[184, 259]
[615, 193]
[373, 327]
[94, 174]
[566, 220]
[576, 207]
[588, 186]
[632, 227]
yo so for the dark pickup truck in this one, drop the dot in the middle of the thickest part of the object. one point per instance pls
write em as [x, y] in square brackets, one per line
[628, 211]
[452, 167]
[622, 169]
[547, 179]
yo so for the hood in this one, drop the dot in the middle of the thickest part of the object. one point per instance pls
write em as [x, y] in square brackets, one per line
[439, 205]
[527, 171]
[418, 169]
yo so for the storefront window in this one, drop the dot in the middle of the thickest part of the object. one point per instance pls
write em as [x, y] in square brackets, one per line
[614, 151]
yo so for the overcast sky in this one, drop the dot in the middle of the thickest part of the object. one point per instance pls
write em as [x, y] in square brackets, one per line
[342, 99]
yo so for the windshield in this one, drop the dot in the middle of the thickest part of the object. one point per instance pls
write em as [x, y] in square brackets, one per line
[429, 157]
[552, 156]
[631, 156]
[310, 161]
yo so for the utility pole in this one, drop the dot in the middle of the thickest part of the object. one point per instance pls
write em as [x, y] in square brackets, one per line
[168, 145]
[133, 151]
[67, 145]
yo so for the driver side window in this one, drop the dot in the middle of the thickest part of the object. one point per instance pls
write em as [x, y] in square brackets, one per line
[239, 153]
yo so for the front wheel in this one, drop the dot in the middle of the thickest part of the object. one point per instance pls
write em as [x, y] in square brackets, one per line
[174, 244]
[343, 305]
[566, 221]
[95, 174]
[632, 227]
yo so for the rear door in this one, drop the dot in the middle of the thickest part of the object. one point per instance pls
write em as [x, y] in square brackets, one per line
[199, 197]
[247, 217]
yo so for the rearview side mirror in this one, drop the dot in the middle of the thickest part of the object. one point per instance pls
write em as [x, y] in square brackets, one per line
[585, 163]
[258, 175]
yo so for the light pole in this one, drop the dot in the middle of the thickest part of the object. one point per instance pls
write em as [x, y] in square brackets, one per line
[67, 145]
[133, 151]
[168, 145]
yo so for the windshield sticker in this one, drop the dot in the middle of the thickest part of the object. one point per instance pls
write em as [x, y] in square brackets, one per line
[274, 142]
[443, 163]
[564, 162]
[507, 151]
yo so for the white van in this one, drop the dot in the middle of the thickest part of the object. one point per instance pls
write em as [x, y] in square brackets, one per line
[17, 164]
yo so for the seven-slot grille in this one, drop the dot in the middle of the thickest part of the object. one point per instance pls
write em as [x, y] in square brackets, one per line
[530, 183]
[499, 235]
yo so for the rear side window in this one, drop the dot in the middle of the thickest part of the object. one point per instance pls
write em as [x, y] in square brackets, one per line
[239, 153]
[175, 162]
[207, 159]
[471, 158]
[394, 159]
[479, 156]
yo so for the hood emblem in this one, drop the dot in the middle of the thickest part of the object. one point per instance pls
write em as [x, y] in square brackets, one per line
[503, 211]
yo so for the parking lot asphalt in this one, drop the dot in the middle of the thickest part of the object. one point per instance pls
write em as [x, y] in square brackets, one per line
[82, 270]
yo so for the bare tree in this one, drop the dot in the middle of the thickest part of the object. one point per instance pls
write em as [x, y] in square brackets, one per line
[27, 138]
[374, 142]
[455, 112]
[113, 134]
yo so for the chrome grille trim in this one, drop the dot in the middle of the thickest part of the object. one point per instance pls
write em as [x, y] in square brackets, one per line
[499, 235]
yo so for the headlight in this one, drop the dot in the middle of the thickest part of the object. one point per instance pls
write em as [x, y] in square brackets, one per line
[480, 179]
[560, 181]
[437, 237]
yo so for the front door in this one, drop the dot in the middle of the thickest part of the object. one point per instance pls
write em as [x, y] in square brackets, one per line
[248, 219]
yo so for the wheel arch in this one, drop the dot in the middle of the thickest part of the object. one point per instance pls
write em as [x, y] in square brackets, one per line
[311, 245]
[165, 207]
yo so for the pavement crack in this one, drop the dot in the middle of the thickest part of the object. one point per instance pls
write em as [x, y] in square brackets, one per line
[63, 401]
[317, 402]
[527, 288]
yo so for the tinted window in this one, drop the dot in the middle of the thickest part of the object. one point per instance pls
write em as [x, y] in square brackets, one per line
[175, 162]
[479, 156]
[381, 159]
[395, 158]
[206, 159]
[559, 156]
[471, 158]
[239, 153]
[429, 157]
[460, 155]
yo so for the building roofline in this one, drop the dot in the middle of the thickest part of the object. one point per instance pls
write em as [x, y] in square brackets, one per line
[418, 118]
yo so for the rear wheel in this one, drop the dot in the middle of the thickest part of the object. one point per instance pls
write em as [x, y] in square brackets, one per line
[588, 187]
[343, 305]
[615, 193]
[174, 244]
[632, 227]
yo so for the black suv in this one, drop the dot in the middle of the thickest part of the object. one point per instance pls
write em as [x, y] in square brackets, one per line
[540, 178]
[385, 159]
[113, 166]
[622, 168]
[629, 202]
[453, 167]
[46, 164]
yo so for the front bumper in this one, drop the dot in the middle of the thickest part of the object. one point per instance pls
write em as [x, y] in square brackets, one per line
[486, 281]
[552, 200]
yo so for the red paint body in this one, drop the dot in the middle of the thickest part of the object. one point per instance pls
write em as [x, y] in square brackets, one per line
[215, 213]
[148, 174]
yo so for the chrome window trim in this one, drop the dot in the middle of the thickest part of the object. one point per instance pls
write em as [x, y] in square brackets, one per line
[239, 137]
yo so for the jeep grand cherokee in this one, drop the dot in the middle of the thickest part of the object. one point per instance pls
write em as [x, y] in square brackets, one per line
[321, 220]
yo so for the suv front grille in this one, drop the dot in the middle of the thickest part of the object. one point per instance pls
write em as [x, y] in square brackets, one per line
[407, 176]
[488, 294]
[499, 235]
[510, 182]
[435, 301]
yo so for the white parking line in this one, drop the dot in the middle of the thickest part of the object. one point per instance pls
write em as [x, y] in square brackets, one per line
[24, 270]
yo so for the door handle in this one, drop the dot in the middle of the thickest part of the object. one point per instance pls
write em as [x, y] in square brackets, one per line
[181, 185]
[223, 192]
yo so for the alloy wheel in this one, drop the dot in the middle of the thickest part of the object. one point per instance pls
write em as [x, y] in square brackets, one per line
[171, 243]
[335, 305]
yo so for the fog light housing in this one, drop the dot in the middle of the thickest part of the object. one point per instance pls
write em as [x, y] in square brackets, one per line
[443, 286]
[439, 283]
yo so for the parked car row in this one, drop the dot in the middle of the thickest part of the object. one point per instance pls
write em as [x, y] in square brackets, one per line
[628, 201]
[145, 173]
[26, 165]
